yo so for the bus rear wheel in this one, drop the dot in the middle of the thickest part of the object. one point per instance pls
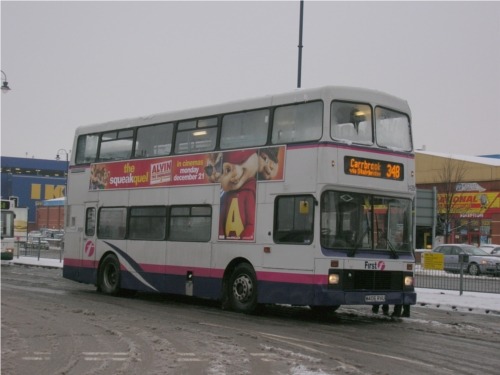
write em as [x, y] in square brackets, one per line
[242, 289]
[109, 276]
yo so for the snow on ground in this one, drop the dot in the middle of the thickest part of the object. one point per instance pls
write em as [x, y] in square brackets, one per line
[480, 303]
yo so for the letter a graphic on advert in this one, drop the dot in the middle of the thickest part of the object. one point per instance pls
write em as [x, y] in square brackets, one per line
[234, 224]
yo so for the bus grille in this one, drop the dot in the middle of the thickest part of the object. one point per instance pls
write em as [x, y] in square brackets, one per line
[355, 280]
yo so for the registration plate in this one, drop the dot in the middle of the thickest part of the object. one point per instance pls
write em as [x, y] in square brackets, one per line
[375, 298]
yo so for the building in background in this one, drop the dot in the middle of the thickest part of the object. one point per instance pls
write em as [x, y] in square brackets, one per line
[50, 214]
[32, 181]
[475, 212]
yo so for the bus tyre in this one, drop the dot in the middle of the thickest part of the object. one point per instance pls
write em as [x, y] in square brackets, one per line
[109, 276]
[243, 289]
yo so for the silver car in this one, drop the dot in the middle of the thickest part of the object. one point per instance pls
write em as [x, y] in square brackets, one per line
[488, 247]
[495, 251]
[473, 260]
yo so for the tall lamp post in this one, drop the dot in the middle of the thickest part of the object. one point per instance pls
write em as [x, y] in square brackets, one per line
[65, 184]
[299, 73]
[5, 84]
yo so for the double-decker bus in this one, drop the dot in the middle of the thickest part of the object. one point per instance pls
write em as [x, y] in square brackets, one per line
[302, 198]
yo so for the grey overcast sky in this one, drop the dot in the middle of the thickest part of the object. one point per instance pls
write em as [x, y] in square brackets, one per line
[75, 63]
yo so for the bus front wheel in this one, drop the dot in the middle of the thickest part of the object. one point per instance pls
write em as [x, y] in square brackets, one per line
[243, 289]
[109, 276]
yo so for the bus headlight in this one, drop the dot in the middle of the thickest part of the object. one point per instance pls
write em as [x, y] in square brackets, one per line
[333, 279]
[408, 280]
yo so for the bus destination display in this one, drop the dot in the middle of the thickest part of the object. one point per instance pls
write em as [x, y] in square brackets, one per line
[373, 168]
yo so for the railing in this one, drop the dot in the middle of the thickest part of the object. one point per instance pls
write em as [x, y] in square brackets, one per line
[460, 280]
[39, 249]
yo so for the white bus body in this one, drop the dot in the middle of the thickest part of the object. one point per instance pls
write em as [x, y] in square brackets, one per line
[302, 198]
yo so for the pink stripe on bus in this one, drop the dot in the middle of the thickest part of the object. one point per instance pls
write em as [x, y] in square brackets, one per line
[275, 277]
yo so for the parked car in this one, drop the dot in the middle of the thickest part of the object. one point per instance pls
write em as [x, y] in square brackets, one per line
[477, 260]
[488, 247]
[495, 251]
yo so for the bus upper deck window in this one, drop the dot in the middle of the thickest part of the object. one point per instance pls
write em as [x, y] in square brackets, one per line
[298, 123]
[392, 129]
[116, 145]
[351, 122]
[196, 135]
[244, 129]
[154, 140]
[86, 149]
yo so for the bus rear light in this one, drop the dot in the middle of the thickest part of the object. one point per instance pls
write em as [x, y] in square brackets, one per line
[408, 280]
[334, 263]
[333, 279]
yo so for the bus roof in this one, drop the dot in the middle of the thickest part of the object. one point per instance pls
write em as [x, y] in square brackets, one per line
[295, 96]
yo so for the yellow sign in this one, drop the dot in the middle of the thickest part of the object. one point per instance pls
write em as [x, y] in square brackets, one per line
[46, 191]
[470, 205]
[433, 261]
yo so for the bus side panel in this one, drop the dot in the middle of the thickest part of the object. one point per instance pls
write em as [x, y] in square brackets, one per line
[75, 270]
[285, 288]
[174, 282]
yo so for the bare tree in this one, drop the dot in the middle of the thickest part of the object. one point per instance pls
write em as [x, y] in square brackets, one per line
[449, 176]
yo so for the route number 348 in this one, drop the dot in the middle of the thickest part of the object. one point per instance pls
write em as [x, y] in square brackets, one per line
[393, 171]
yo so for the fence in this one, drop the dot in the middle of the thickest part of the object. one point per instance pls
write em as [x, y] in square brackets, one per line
[39, 249]
[460, 281]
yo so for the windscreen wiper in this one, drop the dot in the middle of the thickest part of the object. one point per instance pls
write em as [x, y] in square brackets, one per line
[394, 253]
[357, 244]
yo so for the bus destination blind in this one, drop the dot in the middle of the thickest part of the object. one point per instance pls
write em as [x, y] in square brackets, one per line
[373, 168]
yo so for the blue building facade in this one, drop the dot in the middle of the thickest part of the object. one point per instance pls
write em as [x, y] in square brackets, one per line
[32, 181]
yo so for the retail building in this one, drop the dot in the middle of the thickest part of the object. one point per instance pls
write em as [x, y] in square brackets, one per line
[474, 208]
[32, 181]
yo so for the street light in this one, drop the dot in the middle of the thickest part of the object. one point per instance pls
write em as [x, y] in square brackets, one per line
[65, 152]
[58, 157]
[5, 84]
